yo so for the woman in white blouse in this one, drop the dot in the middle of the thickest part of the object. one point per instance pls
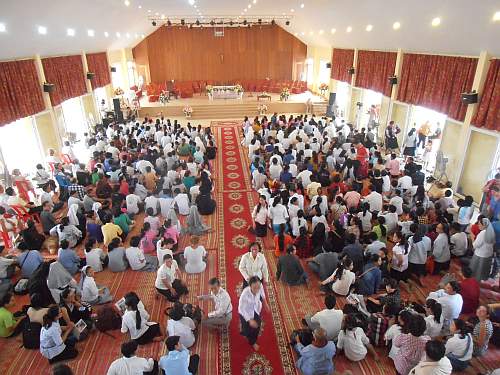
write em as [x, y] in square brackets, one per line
[135, 321]
[91, 293]
[195, 256]
[253, 263]
[483, 251]
[259, 216]
[298, 222]
[54, 342]
[342, 278]
[460, 346]
[434, 319]
[180, 325]
[441, 249]
[278, 214]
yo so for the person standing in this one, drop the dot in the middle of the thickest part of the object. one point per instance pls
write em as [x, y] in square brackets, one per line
[253, 263]
[250, 305]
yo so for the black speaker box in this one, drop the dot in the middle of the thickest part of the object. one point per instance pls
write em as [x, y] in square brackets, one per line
[393, 80]
[48, 87]
[331, 103]
[90, 75]
[351, 71]
[118, 111]
[328, 65]
[113, 69]
[469, 97]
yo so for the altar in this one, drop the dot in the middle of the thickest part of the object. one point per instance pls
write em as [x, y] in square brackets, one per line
[225, 92]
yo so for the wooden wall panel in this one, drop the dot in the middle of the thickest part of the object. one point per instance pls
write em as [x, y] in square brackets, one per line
[182, 54]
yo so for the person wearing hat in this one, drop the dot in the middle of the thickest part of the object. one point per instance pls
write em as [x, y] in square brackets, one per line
[178, 360]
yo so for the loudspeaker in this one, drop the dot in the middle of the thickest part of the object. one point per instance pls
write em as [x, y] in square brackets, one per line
[328, 65]
[48, 87]
[113, 69]
[90, 75]
[351, 71]
[330, 112]
[393, 80]
[469, 97]
[118, 111]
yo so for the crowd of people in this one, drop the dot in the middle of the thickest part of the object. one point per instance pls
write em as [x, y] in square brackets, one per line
[365, 220]
[338, 206]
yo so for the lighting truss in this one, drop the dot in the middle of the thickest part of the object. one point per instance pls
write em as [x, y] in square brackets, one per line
[218, 20]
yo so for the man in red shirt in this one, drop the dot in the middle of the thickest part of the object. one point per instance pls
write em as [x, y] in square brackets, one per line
[469, 289]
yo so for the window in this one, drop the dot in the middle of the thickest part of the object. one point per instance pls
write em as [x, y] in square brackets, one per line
[20, 145]
[342, 98]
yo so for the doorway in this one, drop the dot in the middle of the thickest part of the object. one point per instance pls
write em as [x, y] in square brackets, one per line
[342, 99]
[369, 113]
[75, 125]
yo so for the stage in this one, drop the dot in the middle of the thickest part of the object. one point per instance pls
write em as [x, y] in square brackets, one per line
[203, 108]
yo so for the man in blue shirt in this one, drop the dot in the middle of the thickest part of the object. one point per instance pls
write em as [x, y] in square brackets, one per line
[316, 358]
[28, 260]
[178, 360]
[369, 280]
[68, 258]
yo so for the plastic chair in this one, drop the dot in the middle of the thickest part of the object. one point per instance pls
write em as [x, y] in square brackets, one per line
[66, 159]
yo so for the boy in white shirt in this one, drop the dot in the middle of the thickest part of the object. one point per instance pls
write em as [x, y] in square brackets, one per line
[182, 202]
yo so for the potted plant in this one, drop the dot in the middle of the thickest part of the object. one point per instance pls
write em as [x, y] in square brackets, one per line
[262, 108]
[323, 88]
[285, 93]
[188, 111]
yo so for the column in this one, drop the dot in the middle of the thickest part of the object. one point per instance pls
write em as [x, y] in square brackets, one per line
[89, 106]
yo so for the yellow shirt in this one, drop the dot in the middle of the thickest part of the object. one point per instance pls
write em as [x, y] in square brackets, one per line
[110, 231]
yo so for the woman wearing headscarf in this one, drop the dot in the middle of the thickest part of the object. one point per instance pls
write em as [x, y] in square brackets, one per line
[91, 293]
[194, 223]
[96, 207]
[58, 279]
[38, 284]
[483, 251]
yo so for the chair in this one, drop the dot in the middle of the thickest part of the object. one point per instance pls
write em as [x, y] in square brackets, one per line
[23, 189]
[66, 159]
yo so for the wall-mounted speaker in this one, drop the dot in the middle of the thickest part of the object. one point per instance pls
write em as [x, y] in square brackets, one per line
[113, 69]
[393, 80]
[469, 97]
[328, 65]
[118, 111]
[48, 87]
[351, 71]
[90, 75]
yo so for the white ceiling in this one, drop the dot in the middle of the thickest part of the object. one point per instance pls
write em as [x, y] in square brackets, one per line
[466, 27]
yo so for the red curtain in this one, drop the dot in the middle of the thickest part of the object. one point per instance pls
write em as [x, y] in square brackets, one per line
[436, 82]
[66, 72]
[98, 64]
[488, 111]
[373, 70]
[20, 91]
[342, 61]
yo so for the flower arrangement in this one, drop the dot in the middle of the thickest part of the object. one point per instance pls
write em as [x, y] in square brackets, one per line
[209, 89]
[285, 93]
[163, 97]
[187, 110]
[119, 92]
[238, 89]
[323, 87]
[262, 108]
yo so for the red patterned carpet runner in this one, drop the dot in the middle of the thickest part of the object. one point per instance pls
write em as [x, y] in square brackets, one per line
[234, 197]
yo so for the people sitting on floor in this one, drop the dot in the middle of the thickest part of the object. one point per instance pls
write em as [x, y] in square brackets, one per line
[317, 357]
[130, 364]
[178, 359]
[56, 342]
[168, 282]
[329, 319]
[289, 269]
[91, 293]
[136, 322]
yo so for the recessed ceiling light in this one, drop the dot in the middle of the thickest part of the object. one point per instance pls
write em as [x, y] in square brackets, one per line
[436, 22]
[142, 36]
[106, 34]
[496, 16]
[296, 34]
[70, 32]
[349, 29]
[42, 30]
[3, 28]
[333, 31]
[396, 25]
[292, 10]
[369, 27]
[127, 3]
[127, 35]
[90, 33]
[255, 1]
[191, 2]
[302, 5]
[118, 35]
[149, 10]
[249, 6]
[140, 7]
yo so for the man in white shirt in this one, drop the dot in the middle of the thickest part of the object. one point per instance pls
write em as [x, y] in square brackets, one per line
[221, 315]
[275, 169]
[405, 182]
[249, 308]
[458, 240]
[167, 280]
[330, 319]
[182, 202]
[133, 201]
[397, 201]
[305, 177]
[129, 364]
[374, 199]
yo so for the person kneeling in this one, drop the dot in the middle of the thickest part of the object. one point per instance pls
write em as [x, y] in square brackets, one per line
[178, 360]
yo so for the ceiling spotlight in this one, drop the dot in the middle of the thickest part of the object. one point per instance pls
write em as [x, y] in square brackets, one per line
[70, 32]
[127, 3]
[118, 35]
[153, 23]
[496, 16]
[183, 22]
[3, 28]
[436, 22]
[169, 23]
[396, 25]
[321, 32]
[42, 30]
[302, 6]
[255, 1]
[197, 22]
[273, 22]
[333, 31]
[349, 29]
[140, 7]
[259, 21]
[287, 23]
[369, 27]
[90, 33]
[191, 2]
[106, 34]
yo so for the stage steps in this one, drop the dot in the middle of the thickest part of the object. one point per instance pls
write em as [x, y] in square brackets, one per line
[319, 108]
[224, 110]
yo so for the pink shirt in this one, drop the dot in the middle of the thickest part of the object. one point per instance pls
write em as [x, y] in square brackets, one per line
[411, 349]
[393, 166]
[172, 233]
[352, 198]
[146, 244]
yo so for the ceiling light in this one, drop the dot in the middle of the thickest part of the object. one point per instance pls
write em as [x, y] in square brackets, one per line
[302, 6]
[127, 35]
[369, 27]
[118, 35]
[142, 36]
[3, 28]
[296, 34]
[496, 16]
[195, 6]
[333, 31]
[70, 32]
[292, 10]
[149, 10]
[191, 2]
[396, 25]
[90, 33]
[349, 29]
[106, 34]
[140, 7]
[255, 1]
[436, 22]
[321, 32]
[42, 30]
[302, 33]
[127, 3]
[249, 6]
